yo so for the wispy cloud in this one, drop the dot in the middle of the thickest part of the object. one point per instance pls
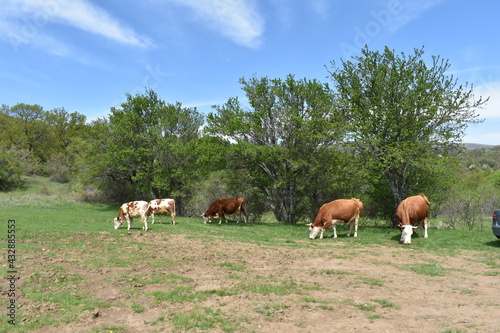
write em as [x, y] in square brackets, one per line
[491, 90]
[321, 7]
[407, 11]
[23, 22]
[239, 20]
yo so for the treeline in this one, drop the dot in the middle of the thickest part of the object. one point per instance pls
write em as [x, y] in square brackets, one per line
[388, 127]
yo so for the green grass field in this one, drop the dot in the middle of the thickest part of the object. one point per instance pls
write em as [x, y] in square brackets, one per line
[49, 220]
[45, 208]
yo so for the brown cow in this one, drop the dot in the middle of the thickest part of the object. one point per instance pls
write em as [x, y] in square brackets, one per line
[128, 211]
[341, 210]
[412, 213]
[162, 207]
[220, 207]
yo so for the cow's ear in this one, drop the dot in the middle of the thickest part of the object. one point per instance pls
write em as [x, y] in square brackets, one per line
[308, 224]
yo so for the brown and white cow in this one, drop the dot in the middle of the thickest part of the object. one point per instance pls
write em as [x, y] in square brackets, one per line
[412, 213]
[220, 207]
[341, 210]
[162, 207]
[130, 210]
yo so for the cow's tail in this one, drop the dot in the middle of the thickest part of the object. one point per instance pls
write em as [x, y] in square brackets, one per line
[425, 198]
[241, 207]
[359, 207]
[149, 211]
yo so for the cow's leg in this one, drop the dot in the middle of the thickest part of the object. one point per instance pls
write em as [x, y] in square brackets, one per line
[144, 223]
[153, 217]
[426, 226]
[129, 222]
[321, 233]
[334, 229]
[351, 223]
[173, 218]
[356, 223]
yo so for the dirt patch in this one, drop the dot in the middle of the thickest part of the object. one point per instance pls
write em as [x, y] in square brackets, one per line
[177, 283]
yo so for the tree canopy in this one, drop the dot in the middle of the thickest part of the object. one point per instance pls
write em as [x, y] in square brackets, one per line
[143, 146]
[403, 116]
[284, 140]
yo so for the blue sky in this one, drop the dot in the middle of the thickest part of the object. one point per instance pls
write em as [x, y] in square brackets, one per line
[85, 55]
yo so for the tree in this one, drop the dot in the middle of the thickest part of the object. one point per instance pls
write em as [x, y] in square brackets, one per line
[26, 128]
[284, 142]
[143, 148]
[403, 116]
[65, 126]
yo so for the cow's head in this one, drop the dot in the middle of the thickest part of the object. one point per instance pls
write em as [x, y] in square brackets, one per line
[313, 231]
[207, 218]
[406, 232]
[117, 222]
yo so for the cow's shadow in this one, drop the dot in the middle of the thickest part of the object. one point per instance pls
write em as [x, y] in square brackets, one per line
[493, 243]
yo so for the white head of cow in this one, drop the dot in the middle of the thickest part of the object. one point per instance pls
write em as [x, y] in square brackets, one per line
[117, 223]
[207, 219]
[406, 233]
[313, 231]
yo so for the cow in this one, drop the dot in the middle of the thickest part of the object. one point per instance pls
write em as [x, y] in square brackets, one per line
[341, 210]
[130, 210]
[412, 213]
[162, 207]
[220, 207]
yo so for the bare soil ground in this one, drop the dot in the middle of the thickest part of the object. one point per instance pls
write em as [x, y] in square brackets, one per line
[240, 287]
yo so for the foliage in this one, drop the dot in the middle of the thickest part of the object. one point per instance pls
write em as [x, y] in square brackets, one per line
[284, 142]
[485, 159]
[40, 132]
[403, 117]
[470, 199]
[10, 171]
[144, 147]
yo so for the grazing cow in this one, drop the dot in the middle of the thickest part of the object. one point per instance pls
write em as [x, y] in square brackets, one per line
[412, 213]
[220, 207]
[130, 210]
[341, 210]
[162, 207]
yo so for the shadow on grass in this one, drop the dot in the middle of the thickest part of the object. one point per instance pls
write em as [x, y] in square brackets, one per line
[493, 243]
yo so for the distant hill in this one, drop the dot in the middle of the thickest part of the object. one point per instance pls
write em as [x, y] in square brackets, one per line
[470, 146]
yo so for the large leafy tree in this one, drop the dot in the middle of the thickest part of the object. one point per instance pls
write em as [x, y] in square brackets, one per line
[284, 141]
[65, 126]
[403, 117]
[144, 147]
[25, 127]
[30, 131]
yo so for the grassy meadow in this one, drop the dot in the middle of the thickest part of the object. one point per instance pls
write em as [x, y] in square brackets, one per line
[61, 241]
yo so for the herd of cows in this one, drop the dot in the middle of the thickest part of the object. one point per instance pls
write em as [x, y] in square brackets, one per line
[411, 213]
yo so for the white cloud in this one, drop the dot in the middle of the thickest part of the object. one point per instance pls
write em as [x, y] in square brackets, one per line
[484, 133]
[238, 20]
[321, 7]
[406, 11]
[491, 90]
[24, 19]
